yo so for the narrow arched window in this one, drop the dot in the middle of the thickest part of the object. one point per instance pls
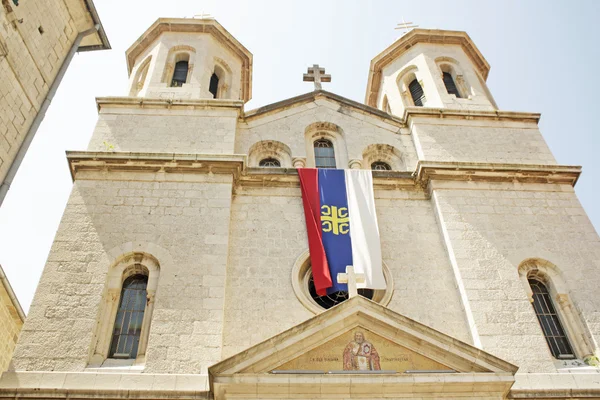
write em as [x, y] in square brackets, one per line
[416, 92]
[269, 162]
[549, 321]
[213, 87]
[450, 84]
[324, 154]
[380, 166]
[180, 74]
[130, 315]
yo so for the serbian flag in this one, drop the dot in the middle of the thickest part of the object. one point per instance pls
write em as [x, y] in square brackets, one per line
[339, 208]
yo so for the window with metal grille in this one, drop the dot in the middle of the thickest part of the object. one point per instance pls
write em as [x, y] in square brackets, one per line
[416, 92]
[324, 154]
[450, 85]
[380, 166]
[330, 300]
[269, 162]
[130, 314]
[213, 87]
[180, 74]
[548, 318]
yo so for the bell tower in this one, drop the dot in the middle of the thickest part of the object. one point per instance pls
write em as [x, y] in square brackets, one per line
[429, 68]
[186, 58]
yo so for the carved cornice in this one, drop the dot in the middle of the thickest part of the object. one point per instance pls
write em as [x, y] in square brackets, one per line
[496, 172]
[154, 103]
[415, 112]
[155, 162]
[236, 164]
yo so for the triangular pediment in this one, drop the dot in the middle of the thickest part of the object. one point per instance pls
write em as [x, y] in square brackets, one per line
[360, 337]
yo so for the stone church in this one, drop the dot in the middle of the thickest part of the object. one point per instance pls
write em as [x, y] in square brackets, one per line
[181, 270]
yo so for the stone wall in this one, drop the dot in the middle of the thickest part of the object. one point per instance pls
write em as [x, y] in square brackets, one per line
[447, 139]
[162, 130]
[183, 224]
[491, 229]
[29, 63]
[10, 326]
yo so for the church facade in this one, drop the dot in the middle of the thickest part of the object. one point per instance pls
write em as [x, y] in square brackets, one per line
[181, 268]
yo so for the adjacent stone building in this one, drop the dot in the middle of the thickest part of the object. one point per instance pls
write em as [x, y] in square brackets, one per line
[181, 269]
[37, 42]
[11, 321]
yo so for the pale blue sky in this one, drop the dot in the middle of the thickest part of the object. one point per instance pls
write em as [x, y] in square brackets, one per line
[543, 54]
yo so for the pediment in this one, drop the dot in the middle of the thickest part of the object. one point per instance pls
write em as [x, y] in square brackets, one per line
[360, 340]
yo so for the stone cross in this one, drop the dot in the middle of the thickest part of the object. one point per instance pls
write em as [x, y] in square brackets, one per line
[405, 26]
[317, 75]
[351, 278]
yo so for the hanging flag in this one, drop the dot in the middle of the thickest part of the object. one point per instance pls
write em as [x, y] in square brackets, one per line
[341, 223]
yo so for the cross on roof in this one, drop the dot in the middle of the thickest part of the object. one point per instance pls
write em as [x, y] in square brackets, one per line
[317, 75]
[405, 26]
[351, 278]
[203, 15]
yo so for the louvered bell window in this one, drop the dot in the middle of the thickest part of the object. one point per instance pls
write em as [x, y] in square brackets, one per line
[416, 92]
[450, 85]
[213, 87]
[548, 318]
[180, 74]
[130, 314]
[324, 154]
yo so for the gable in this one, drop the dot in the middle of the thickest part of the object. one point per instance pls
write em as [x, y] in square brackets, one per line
[362, 349]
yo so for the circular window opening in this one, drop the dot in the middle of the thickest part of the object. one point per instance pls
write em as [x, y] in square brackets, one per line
[330, 300]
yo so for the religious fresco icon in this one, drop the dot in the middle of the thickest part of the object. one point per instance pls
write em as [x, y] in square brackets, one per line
[360, 355]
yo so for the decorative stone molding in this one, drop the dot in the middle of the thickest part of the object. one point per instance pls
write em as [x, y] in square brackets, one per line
[385, 153]
[270, 149]
[355, 164]
[299, 162]
[548, 273]
[126, 264]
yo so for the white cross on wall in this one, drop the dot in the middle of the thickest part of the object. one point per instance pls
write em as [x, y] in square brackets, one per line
[351, 278]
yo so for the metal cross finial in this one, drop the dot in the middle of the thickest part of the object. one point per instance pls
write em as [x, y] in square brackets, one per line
[405, 26]
[351, 278]
[317, 75]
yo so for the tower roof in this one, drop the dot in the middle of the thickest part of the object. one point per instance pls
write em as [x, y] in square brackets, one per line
[192, 25]
[412, 38]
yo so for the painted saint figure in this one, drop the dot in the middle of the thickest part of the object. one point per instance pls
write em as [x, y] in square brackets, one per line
[360, 355]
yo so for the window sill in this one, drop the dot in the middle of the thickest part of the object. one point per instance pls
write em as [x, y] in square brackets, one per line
[573, 366]
[118, 366]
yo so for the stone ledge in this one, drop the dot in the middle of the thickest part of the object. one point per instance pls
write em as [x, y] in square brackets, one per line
[496, 172]
[236, 164]
[412, 112]
[144, 102]
[23, 384]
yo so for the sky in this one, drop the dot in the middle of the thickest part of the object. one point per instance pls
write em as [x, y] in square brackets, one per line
[543, 56]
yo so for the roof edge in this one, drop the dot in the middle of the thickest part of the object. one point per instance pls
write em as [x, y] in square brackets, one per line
[11, 294]
[101, 33]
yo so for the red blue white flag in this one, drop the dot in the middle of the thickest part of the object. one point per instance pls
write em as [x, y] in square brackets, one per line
[339, 207]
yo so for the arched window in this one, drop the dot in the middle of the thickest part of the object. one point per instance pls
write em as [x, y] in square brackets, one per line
[213, 87]
[324, 154]
[180, 74]
[549, 321]
[269, 162]
[130, 315]
[450, 84]
[416, 92]
[380, 166]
